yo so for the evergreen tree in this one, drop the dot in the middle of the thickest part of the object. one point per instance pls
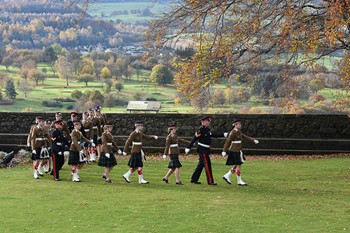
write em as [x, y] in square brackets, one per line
[10, 90]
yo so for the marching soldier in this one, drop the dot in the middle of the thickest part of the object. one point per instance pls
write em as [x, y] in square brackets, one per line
[235, 157]
[46, 164]
[58, 117]
[57, 148]
[39, 142]
[107, 158]
[98, 107]
[89, 133]
[76, 155]
[96, 126]
[100, 125]
[203, 135]
[172, 149]
[137, 155]
[29, 138]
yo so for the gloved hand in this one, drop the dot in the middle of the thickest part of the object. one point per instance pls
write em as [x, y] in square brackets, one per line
[59, 153]
[187, 150]
[164, 157]
[225, 135]
[223, 154]
[156, 137]
[108, 155]
[120, 152]
[256, 141]
[124, 153]
[34, 152]
[28, 144]
[93, 144]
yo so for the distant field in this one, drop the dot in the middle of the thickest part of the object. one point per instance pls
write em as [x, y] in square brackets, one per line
[99, 9]
[54, 87]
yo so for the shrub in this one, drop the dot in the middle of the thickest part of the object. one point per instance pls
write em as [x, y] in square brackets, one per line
[51, 103]
[151, 99]
[121, 102]
[76, 94]
[7, 102]
[70, 107]
[177, 100]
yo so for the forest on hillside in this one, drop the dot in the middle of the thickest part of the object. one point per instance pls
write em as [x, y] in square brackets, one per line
[41, 23]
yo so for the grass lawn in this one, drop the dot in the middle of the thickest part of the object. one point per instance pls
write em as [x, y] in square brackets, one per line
[299, 195]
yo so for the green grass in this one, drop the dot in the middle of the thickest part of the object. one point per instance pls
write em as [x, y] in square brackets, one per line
[302, 195]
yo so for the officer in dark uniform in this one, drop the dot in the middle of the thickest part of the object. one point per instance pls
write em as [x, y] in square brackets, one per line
[57, 148]
[203, 138]
[59, 117]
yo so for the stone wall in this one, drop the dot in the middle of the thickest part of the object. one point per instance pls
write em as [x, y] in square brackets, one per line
[260, 126]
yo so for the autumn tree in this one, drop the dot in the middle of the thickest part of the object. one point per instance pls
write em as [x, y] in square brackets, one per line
[26, 68]
[25, 87]
[161, 74]
[229, 95]
[231, 34]
[85, 78]
[219, 97]
[64, 69]
[106, 73]
[109, 101]
[37, 76]
[86, 74]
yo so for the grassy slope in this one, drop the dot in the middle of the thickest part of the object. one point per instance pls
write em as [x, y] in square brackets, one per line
[283, 196]
[96, 9]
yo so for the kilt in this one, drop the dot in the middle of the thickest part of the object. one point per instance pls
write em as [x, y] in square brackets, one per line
[174, 161]
[37, 155]
[234, 158]
[103, 161]
[74, 158]
[135, 160]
